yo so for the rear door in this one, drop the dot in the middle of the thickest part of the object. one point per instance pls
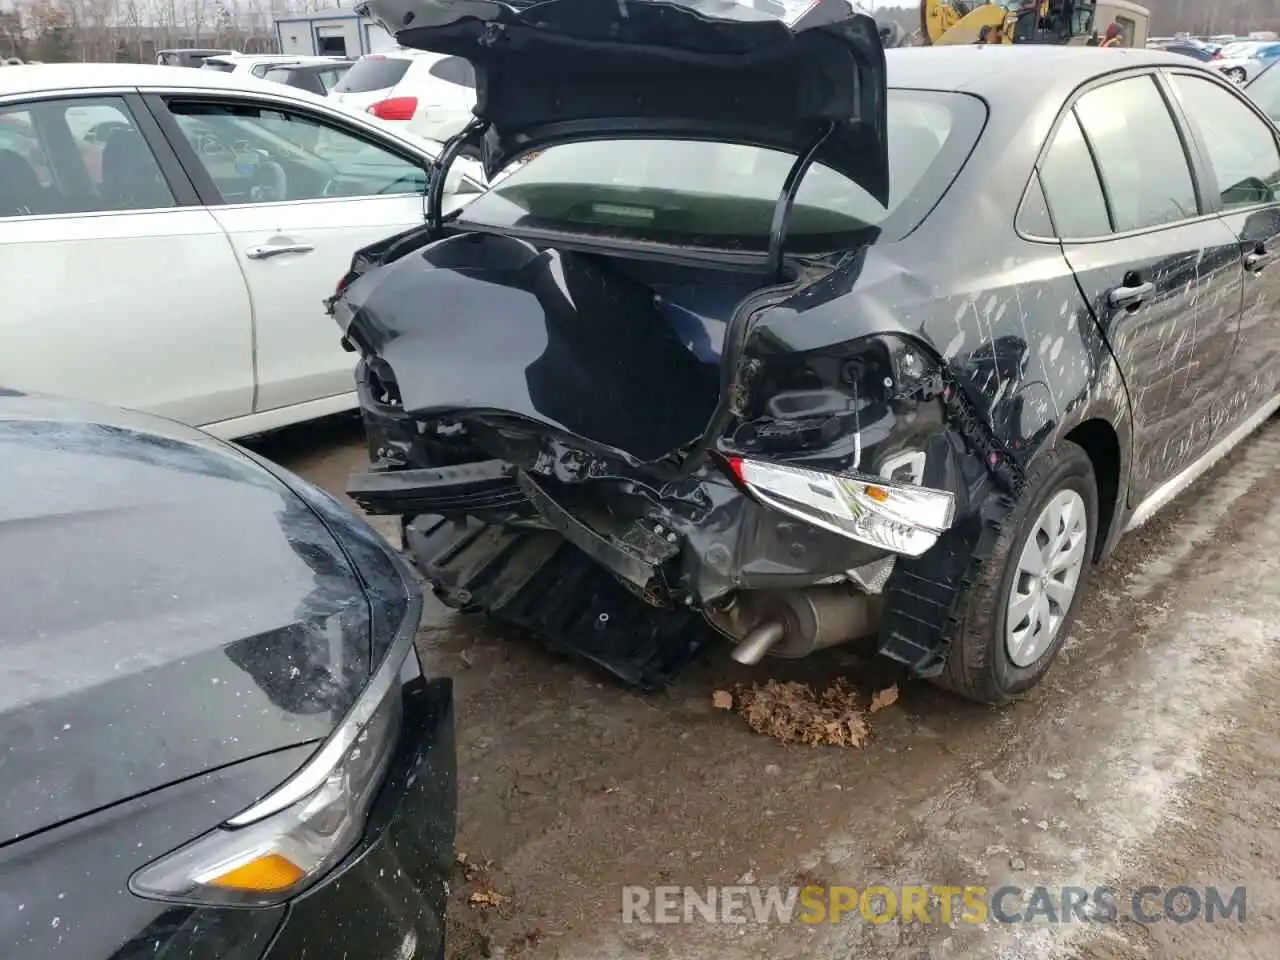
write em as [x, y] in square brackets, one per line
[118, 286]
[1243, 173]
[1160, 270]
[297, 193]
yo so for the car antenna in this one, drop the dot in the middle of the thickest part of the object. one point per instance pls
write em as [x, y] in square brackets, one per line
[790, 187]
[452, 147]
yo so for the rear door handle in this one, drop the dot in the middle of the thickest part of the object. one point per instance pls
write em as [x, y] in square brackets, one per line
[267, 250]
[1130, 295]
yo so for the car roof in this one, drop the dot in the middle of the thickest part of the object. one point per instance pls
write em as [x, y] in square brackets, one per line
[263, 56]
[316, 65]
[404, 53]
[991, 71]
[55, 77]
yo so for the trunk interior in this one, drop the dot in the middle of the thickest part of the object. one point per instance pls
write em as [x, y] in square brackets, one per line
[623, 352]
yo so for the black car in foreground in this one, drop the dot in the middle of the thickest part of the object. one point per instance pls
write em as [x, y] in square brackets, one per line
[806, 340]
[215, 739]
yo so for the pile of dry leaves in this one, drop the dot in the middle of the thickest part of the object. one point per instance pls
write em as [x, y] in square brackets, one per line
[476, 875]
[795, 713]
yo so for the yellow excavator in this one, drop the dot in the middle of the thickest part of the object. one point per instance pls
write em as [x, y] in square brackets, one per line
[1075, 22]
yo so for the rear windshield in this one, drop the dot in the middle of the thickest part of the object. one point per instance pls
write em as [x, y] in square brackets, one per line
[220, 65]
[373, 73]
[722, 195]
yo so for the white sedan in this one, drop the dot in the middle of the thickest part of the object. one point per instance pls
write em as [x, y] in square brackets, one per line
[167, 237]
[1243, 61]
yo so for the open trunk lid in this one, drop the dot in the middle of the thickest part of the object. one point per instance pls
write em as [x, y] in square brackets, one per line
[500, 333]
[802, 76]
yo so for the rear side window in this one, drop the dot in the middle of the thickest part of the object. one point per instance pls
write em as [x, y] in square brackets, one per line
[1265, 92]
[21, 150]
[104, 163]
[373, 73]
[1071, 185]
[1242, 148]
[1140, 155]
[722, 195]
[455, 70]
[328, 78]
[1033, 213]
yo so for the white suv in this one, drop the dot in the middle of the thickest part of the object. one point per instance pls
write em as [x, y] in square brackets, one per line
[430, 94]
[256, 64]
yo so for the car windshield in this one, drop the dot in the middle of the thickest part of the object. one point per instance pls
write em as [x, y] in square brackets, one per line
[720, 195]
[221, 66]
[372, 73]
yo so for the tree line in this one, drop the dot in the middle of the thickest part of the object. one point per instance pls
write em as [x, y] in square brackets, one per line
[134, 30]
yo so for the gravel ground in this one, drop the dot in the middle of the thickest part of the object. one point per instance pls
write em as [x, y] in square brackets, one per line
[1150, 757]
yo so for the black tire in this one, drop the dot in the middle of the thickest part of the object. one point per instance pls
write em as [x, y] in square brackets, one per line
[1236, 74]
[978, 665]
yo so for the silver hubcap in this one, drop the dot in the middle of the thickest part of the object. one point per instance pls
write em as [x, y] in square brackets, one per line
[1048, 572]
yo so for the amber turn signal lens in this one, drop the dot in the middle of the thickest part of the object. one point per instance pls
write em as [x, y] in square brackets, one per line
[267, 874]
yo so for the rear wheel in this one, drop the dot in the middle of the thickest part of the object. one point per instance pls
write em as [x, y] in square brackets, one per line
[1235, 73]
[1022, 606]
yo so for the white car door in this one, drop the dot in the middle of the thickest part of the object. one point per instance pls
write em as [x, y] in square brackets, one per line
[297, 192]
[118, 285]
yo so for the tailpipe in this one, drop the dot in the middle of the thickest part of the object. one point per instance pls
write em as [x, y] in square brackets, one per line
[758, 641]
[796, 622]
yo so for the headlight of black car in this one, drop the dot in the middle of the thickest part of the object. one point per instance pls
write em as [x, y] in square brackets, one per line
[291, 838]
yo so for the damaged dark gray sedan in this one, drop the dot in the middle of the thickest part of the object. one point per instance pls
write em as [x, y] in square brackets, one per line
[808, 341]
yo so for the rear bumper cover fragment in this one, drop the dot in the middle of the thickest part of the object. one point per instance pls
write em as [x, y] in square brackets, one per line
[487, 485]
[536, 580]
[924, 595]
[635, 555]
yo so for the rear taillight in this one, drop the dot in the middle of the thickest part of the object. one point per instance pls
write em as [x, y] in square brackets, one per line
[1215, 56]
[895, 516]
[396, 108]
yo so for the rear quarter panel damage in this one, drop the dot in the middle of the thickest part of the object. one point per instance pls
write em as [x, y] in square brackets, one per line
[1014, 334]
[1017, 338]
